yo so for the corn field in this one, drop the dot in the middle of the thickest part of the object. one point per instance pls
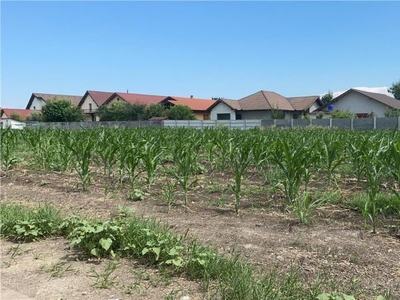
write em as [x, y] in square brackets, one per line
[294, 166]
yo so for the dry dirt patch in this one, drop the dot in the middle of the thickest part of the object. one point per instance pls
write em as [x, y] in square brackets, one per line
[336, 247]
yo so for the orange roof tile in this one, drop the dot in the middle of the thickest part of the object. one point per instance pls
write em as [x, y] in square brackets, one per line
[195, 104]
[23, 113]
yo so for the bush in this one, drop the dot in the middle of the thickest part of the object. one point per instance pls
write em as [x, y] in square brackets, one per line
[340, 114]
[180, 112]
[61, 111]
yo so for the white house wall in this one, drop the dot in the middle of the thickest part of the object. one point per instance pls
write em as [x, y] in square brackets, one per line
[37, 104]
[86, 104]
[357, 103]
[261, 115]
[313, 107]
[222, 108]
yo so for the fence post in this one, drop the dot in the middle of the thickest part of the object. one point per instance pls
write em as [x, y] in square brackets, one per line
[275, 122]
[330, 123]
[310, 121]
[351, 123]
[374, 122]
[398, 123]
[291, 123]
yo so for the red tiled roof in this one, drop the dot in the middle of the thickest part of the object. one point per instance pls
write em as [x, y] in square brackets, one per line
[23, 113]
[195, 104]
[97, 96]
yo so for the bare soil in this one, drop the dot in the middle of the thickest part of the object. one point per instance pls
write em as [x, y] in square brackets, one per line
[336, 247]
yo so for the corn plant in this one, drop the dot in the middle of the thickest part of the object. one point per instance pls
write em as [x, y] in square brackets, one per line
[374, 171]
[132, 162]
[81, 147]
[331, 154]
[239, 157]
[106, 151]
[8, 139]
[185, 157]
[151, 153]
[294, 160]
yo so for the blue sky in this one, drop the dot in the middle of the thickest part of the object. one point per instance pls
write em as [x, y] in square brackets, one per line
[205, 49]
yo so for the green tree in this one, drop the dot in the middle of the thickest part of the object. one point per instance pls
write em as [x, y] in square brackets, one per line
[61, 111]
[340, 114]
[154, 110]
[391, 112]
[395, 90]
[122, 111]
[327, 97]
[180, 112]
[35, 116]
[16, 117]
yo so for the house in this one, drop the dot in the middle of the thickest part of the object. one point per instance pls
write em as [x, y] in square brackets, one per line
[362, 103]
[134, 98]
[305, 105]
[91, 101]
[10, 123]
[264, 105]
[8, 113]
[38, 100]
[200, 107]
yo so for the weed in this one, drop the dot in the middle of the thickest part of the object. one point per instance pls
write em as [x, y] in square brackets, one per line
[103, 280]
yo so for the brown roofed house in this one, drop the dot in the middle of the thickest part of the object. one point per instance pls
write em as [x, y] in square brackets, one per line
[38, 100]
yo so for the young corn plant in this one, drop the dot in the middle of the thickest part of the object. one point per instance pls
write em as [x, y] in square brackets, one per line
[81, 147]
[8, 142]
[185, 157]
[151, 153]
[239, 157]
[106, 151]
[132, 163]
[374, 171]
[293, 159]
[331, 154]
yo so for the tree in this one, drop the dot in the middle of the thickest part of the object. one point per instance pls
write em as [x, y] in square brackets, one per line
[340, 114]
[395, 90]
[35, 116]
[180, 112]
[327, 97]
[391, 112]
[154, 110]
[61, 111]
[16, 117]
[122, 111]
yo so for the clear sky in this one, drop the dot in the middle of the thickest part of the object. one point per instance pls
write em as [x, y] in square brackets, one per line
[205, 49]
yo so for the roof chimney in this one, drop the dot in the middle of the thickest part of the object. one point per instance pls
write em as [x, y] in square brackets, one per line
[191, 96]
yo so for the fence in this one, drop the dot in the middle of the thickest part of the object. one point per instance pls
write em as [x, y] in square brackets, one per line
[359, 124]
[80, 125]
[353, 124]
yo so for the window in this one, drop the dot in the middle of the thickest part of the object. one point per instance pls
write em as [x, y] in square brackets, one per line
[34, 107]
[223, 116]
[238, 116]
[206, 117]
[90, 107]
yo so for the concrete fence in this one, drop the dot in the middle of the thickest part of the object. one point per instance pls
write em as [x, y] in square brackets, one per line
[352, 124]
[359, 124]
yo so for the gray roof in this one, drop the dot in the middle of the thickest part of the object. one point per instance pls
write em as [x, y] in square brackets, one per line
[385, 99]
[303, 103]
[265, 100]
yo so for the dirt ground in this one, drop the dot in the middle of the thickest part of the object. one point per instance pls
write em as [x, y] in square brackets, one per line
[336, 247]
